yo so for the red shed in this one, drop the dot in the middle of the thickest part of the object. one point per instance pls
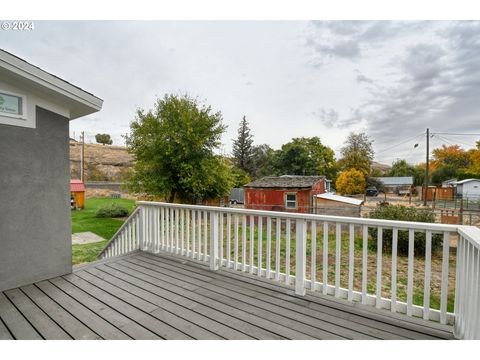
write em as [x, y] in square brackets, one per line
[290, 193]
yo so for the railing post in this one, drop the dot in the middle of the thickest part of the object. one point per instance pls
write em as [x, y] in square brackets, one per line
[141, 230]
[213, 240]
[300, 256]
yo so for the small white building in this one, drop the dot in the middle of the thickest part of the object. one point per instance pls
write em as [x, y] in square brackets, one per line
[332, 204]
[468, 189]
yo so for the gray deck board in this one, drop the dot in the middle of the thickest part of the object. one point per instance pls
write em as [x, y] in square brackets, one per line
[14, 320]
[88, 317]
[253, 326]
[202, 326]
[305, 317]
[156, 326]
[4, 333]
[408, 327]
[160, 313]
[131, 328]
[150, 296]
[72, 326]
[259, 291]
[199, 314]
[47, 328]
[281, 316]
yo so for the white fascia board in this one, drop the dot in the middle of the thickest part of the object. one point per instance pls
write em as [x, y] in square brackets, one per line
[86, 102]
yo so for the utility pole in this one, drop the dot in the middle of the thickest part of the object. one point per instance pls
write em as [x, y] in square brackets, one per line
[82, 158]
[426, 168]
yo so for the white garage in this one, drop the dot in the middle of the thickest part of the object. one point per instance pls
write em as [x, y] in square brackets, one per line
[468, 189]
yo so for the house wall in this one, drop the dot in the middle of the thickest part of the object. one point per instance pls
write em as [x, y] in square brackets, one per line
[35, 235]
[274, 199]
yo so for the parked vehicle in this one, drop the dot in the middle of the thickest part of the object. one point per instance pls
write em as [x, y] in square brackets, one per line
[237, 196]
[371, 191]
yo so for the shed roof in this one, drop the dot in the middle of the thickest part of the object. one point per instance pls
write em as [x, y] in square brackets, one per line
[396, 180]
[76, 185]
[285, 181]
[338, 198]
[466, 181]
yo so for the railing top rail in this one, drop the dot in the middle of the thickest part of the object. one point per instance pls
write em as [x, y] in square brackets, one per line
[471, 233]
[328, 218]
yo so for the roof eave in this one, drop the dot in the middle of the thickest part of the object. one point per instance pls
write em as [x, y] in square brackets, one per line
[81, 102]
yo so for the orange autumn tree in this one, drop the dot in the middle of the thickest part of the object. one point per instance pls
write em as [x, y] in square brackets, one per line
[453, 156]
[351, 182]
[475, 160]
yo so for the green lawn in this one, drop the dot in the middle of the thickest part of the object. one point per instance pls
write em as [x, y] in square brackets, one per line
[85, 220]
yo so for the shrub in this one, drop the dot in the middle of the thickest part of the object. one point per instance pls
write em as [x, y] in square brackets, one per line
[404, 213]
[112, 210]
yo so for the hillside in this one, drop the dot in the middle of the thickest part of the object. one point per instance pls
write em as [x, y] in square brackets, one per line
[383, 168]
[102, 163]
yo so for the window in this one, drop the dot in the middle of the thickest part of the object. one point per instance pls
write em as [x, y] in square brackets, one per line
[291, 201]
[11, 105]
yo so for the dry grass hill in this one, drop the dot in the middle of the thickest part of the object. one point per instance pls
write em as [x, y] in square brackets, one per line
[102, 162]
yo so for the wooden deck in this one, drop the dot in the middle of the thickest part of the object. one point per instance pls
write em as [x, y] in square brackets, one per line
[145, 296]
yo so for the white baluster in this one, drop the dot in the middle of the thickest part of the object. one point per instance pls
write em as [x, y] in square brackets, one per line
[378, 300]
[300, 256]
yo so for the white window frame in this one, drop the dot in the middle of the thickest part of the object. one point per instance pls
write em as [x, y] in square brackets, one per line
[289, 201]
[15, 116]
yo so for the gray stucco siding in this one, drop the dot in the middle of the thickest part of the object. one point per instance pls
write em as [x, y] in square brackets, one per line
[35, 235]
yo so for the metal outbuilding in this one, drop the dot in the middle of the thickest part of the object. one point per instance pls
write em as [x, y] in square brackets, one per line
[333, 204]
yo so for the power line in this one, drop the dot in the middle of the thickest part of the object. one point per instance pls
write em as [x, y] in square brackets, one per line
[398, 144]
[455, 142]
[460, 134]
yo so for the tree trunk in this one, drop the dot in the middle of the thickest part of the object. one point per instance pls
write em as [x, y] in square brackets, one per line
[172, 196]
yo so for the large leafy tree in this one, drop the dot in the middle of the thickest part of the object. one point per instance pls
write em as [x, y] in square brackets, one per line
[243, 147]
[173, 145]
[443, 173]
[357, 153]
[263, 157]
[104, 139]
[305, 156]
[401, 168]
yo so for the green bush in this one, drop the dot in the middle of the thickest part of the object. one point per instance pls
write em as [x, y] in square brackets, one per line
[404, 213]
[111, 210]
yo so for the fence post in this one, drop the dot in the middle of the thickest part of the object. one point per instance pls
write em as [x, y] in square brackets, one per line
[300, 256]
[213, 240]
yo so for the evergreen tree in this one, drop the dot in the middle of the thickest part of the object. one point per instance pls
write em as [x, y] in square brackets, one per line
[243, 148]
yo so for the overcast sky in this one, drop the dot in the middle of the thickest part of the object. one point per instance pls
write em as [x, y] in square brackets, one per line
[291, 79]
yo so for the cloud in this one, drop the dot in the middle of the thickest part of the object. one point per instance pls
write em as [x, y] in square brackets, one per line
[433, 80]
[331, 40]
[360, 78]
[331, 118]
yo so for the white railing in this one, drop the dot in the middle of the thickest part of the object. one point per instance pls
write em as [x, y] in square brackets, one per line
[327, 254]
[126, 239]
[467, 294]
